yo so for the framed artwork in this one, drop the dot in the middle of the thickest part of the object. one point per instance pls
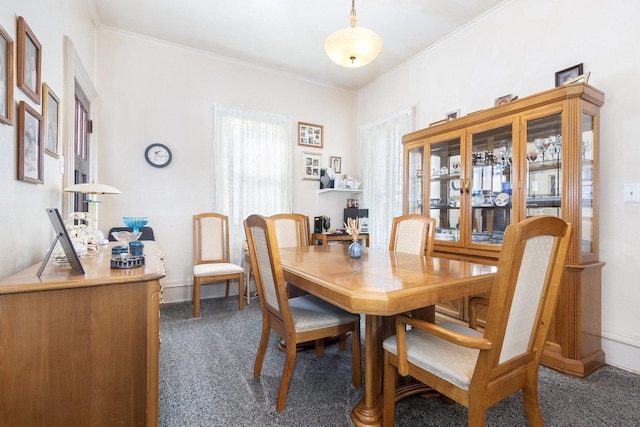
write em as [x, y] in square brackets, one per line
[310, 135]
[29, 61]
[567, 74]
[453, 115]
[51, 116]
[504, 99]
[335, 163]
[30, 147]
[310, 166]
[582, 78]
[6, 77]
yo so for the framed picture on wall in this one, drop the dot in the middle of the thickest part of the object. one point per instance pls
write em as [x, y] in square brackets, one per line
[570, 73]
[30, 147]
[311, 166]
[51, 116]
[6, 77]
[310, 135]
[29, 61]
[336, 164]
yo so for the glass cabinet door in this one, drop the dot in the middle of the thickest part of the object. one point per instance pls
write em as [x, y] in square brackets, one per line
[444, 188]
[415, 181]
[491, 185]
[543, 190]
[587, 159]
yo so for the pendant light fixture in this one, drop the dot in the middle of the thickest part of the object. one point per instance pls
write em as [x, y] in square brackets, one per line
[353, 47]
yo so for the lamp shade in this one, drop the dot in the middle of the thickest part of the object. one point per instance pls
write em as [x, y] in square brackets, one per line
[91, 188]
[353, 47]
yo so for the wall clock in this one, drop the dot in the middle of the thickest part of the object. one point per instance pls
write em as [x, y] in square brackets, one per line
[158, 155]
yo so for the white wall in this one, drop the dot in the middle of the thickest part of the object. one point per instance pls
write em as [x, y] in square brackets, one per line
[517, 49]
[26, 231]
[154, 92]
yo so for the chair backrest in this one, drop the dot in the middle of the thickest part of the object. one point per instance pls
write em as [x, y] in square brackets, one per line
[210, 238]
[147, 233]
[413, 234]
[291, 230]
[525, 292]
[265, 261]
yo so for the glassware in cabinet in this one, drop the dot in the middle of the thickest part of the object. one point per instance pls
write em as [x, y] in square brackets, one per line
[445, 188]
[414, 198]
[491, 185]
[543, 195]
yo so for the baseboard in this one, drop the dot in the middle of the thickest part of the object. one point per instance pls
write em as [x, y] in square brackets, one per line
[623, 355]
[178, 291]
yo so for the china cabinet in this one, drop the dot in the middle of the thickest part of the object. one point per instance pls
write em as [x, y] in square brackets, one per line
[535, 156]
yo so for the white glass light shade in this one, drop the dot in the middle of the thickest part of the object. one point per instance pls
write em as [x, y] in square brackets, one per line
[353, 47]
[91, 188]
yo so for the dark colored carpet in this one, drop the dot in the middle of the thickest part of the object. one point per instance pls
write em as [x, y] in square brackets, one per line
[206, 379]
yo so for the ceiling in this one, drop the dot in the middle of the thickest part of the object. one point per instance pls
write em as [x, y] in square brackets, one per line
[289, 35]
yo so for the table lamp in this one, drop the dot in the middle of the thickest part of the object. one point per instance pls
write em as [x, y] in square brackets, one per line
[92, 189]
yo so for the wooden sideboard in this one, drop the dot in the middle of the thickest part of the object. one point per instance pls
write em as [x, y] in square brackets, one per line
[81, 350]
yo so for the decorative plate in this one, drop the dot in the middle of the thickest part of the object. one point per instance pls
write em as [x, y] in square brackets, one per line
[502, 199]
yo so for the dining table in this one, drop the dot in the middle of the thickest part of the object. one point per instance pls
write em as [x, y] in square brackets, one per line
[381, 285]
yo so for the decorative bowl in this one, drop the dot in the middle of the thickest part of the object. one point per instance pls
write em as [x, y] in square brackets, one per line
[135, 222]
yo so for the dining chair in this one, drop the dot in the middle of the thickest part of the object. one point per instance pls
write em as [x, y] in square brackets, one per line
[211, 261]
[291, 229]
[413, 234]
[300, 319]
[477, 369]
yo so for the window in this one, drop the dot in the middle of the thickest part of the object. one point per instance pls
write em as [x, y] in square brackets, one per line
[252, 167]
[380, 153]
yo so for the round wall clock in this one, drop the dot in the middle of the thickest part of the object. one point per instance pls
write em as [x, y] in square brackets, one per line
[158, 155]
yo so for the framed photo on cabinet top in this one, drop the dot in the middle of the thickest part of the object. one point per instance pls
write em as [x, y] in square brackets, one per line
[582, 78]
[563, 76]
[310, 135]
[51, 116]
[30, 147]
[310, 166]
[6, 77]
[453, 114]
[29, 61]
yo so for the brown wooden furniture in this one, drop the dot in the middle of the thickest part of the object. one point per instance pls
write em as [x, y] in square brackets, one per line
[81, 350]
[211, 259]
[291, 230]
[535, 156]
[323, 238]
[297, 320]
[413, 234]
[381, 284]
[479, 370]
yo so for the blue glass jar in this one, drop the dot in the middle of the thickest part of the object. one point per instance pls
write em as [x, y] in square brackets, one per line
[355, 250]
[136, 248]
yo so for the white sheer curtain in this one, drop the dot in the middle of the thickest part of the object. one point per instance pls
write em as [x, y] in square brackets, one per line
[252, 167]
[381, 169]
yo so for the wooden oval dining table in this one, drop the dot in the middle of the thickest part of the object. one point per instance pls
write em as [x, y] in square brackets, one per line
[381, 285]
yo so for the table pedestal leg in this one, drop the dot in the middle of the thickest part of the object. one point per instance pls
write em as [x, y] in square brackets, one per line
[368, 412]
